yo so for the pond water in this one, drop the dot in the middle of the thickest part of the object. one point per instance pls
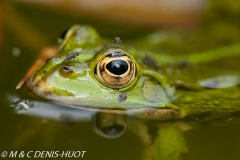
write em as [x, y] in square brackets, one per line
[30, 124]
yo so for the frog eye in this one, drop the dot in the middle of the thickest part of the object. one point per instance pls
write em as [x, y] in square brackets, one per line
[63, 35]
[116, 69]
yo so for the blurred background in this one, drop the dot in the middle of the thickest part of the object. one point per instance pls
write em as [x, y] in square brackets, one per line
[166, 26]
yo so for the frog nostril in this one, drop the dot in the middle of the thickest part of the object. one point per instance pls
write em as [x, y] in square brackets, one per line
[67, 69]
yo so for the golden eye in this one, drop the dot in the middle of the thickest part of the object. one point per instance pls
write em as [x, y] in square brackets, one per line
[116, 69]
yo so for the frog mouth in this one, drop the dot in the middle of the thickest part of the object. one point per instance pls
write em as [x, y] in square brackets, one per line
[153, 113]
[38, 86]
[144, 113]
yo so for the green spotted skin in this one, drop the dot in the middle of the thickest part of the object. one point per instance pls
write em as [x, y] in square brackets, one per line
[160, 86]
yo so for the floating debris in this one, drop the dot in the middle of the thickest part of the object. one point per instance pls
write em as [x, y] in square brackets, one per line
[22, 106]
[122, 97]
[224, 81]
[117, 40]
[71, 56]
[16, 51]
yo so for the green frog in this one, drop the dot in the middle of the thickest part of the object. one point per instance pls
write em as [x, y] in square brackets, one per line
[116, 80]
[87, 73]
[91, 74]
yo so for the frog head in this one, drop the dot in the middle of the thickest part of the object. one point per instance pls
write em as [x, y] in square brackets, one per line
[88, 73]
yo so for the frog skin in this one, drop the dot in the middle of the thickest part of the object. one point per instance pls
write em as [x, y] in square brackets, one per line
[154, 86]
[88, 73]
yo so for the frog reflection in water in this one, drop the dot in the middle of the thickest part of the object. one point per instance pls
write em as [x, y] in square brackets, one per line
[116, 81]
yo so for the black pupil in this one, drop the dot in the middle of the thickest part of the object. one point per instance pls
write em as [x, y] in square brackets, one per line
[117, 67]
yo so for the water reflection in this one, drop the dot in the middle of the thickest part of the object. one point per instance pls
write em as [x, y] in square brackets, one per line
[161, 140]
[109, 125]
[48, 110]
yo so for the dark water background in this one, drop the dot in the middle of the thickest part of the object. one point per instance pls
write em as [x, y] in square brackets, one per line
[27, 133]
